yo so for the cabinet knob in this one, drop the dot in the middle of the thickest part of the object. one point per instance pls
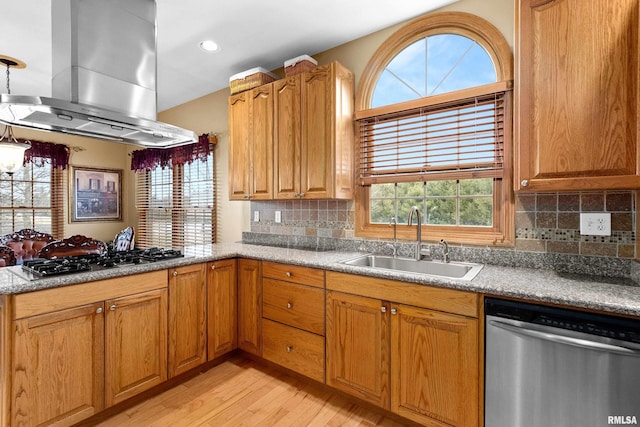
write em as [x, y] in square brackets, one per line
[246, 196]
[213, 267]
[175, 273]
[295, 194]
[525, 183]
[394, 311]
[289, 305]
[289, 348]
[383, 309]
[288, 274]
[301, 194]
[112, 307]
[99, 310]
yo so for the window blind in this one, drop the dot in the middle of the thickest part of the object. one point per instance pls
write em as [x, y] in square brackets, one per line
[458, 137]
[176, 205]
[33, 198]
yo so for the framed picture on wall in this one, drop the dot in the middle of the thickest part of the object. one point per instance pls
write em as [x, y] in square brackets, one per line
[95, 194]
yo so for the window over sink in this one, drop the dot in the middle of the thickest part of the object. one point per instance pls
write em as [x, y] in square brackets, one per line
[434, 118]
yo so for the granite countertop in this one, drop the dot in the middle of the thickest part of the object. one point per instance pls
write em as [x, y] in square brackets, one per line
[620, 296]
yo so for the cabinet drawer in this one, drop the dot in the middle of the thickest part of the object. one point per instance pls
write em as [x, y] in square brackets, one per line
[293, 273]
[300, 351]
[293, 304]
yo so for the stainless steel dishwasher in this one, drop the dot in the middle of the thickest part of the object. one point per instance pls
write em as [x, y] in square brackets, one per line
[547, 366]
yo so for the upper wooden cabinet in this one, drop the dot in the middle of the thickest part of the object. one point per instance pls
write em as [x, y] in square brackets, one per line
[251, 153]
[314, 134]
[577, 98]
[307, 122]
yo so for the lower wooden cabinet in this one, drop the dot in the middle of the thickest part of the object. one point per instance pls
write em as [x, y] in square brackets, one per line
[250, 306]
[420, 363]
[187, 318]
[136, 344]
[293, 348]
[73, 356]
[58, 374]
[358, 347]
[434, 366]
[222, 310]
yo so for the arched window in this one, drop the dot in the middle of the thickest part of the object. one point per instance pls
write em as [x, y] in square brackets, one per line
[434, 119]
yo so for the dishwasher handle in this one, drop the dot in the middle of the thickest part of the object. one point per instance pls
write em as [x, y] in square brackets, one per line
[563, 339]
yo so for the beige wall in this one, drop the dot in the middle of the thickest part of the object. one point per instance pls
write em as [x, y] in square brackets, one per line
[209, 113]
[93, 153]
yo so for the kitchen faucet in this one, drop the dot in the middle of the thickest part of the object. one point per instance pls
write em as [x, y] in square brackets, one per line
[417, 252]
[445, 251]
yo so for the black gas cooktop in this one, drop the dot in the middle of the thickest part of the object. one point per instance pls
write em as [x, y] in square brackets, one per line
[40, 267]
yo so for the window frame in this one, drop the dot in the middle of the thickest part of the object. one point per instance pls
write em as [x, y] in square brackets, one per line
[502, 233]
[176, 210]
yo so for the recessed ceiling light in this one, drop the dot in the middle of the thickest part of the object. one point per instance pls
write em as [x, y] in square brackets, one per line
[209, 46]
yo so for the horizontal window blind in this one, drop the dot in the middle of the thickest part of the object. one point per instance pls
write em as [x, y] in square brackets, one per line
[176, 205]
[456, 139]
[33, 197]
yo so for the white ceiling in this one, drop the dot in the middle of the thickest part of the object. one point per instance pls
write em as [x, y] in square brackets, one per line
[251, 33]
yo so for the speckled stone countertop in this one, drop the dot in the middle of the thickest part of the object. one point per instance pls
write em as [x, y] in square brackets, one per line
[612, 295]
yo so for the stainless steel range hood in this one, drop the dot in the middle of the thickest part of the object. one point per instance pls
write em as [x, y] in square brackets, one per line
[104, 76]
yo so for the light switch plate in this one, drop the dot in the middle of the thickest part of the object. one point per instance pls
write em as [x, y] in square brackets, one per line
[595, 224]
[278, 217]
[256, 216]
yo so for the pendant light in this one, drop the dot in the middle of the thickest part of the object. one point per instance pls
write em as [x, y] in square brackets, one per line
[11, 150]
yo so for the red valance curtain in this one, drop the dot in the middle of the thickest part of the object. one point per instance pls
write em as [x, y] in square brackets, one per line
[42, 153]
[150, 158]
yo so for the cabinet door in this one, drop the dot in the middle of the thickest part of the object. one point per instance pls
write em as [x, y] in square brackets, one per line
[317, 138]
[239, 165]
[187, 318]
[577, 99]
[250, 306]
[357, 339]
[261, 142]
[287, 94]
[136, 344]
[222, 307]
[434, 366]
[58, 367]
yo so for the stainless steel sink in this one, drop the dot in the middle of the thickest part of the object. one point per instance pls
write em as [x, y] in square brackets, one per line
[452, 270]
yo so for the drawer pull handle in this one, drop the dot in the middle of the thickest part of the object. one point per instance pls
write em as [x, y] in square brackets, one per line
[289, 348]
[288, 274]
[99, 310]
[289, 305]
[383, 309]
[112, 307]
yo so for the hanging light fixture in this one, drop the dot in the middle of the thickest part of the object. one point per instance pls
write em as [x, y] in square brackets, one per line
[11, 150]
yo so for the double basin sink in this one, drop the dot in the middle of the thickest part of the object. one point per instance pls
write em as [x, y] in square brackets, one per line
[452, 270]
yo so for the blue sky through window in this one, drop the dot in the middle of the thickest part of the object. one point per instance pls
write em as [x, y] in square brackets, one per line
[433, 65]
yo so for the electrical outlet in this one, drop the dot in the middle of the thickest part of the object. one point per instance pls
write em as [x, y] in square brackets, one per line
[278, 217]
[256, 216]
[595, 224]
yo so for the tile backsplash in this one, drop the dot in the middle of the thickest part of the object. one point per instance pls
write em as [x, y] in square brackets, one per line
[550, 222]
[545, 222]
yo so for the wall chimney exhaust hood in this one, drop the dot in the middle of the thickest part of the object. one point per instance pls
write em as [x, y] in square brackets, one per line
[104, 76]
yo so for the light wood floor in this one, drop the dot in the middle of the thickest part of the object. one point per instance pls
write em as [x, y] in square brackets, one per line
[242, 392]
